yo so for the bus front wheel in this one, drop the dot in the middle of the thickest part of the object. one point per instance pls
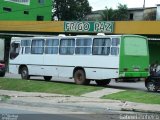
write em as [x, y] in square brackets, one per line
[80, 77]
[103, 82]
[24, 73]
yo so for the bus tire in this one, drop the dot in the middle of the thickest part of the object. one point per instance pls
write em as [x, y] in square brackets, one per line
[2, 74]
[47, 78]
[80, 77]
[103, 82]
[24, 73]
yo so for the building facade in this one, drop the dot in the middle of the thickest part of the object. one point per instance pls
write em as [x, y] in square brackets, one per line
[136, 14]
[158, 12]
[139, 14]
[26, 10]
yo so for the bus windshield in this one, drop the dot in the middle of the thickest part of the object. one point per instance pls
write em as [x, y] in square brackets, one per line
[136, 46]
[15, 47]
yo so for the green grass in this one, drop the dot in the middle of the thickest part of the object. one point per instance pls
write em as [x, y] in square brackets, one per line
[46, 87]
[135, 96]
[4, 98]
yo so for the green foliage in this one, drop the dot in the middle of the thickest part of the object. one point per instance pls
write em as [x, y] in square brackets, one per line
[4, 98]
[135, 96]
[119, 14]
[71, 9]
[108, 14]
[45, 87]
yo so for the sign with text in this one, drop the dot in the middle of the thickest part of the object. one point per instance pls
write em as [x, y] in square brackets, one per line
[89, 26]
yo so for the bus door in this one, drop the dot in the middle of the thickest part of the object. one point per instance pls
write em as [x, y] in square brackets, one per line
[14, 53]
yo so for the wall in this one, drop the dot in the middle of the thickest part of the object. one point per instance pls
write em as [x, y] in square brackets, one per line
[137, 15]
[34, 9]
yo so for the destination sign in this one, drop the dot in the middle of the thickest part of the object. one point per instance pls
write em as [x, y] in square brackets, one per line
[88, 26]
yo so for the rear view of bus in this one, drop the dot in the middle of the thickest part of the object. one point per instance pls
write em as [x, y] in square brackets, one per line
[134, 57]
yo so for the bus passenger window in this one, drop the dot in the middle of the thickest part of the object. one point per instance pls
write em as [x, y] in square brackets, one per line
[114, 50]
[83, 46]
[67, 46]
[25, 44]
[101, 46]
[37, 46]
[115, 41]
[51, 46]
[15, 48]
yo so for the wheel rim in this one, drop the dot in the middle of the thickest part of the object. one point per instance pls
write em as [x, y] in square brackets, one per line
[79, 77]
[24, 73]
[151, 87]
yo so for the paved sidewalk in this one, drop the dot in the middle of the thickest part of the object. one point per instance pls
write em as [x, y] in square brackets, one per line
[101, 93]
[73, 103]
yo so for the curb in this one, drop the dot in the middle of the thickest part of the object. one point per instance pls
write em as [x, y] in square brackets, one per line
[65, 101]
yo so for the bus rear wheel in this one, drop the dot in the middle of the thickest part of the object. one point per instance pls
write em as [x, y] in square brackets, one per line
[2, 74]
[80, 77]
[24, 73]
[103, 82]
[47, 78]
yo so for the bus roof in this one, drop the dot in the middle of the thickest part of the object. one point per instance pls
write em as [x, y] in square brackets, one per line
[77, 36]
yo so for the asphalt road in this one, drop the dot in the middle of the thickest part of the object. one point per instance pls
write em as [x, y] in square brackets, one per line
[17, 114]
[139, 85]
[14, 114]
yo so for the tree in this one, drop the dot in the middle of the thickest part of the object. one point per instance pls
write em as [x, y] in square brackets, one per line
[122, 12]
[116, 15]
[108, 14]
[71, 9]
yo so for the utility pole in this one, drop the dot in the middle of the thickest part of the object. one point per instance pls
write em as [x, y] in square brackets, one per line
[144, 4]
[144, 8]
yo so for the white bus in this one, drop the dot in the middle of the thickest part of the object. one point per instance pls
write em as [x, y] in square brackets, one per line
[83, 58]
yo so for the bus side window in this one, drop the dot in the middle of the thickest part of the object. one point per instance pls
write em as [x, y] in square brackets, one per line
[26, 46]
[67, 46]
[37, 46]
[115, 48]
[101, 46]
[83, 46]
[51, 46]
[15, 48]
[115, 41]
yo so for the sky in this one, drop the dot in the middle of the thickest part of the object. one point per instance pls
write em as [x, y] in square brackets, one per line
[101, 4]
